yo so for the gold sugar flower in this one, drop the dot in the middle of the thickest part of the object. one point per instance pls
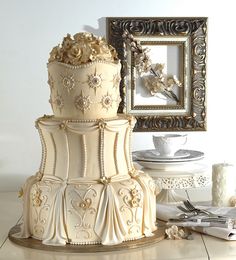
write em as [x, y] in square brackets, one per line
[177, 233]
[20, 193]
[36, 197]
[55, 54]
[37, 202]
[67, 42]
[104, 180]
[83, 48]
[75, 51]
[102, 124]
[85, 204]
[134, 192]
[135, 198]
[135, 202]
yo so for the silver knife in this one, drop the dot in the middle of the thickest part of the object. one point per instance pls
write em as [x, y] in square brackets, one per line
[203, 222]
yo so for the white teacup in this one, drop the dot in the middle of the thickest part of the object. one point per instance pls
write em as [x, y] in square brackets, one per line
[168, 145]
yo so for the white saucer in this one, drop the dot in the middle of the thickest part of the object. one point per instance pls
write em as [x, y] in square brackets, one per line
[174, 169]
[181, 156]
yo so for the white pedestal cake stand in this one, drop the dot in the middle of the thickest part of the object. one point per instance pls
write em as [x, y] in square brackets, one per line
[168, 181]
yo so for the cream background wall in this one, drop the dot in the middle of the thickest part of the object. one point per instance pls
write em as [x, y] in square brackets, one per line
[30, 28]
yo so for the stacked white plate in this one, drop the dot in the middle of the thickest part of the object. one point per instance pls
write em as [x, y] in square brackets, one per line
[184, 159]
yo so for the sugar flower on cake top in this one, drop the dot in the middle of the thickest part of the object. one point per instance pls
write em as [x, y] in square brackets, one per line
[82, 48]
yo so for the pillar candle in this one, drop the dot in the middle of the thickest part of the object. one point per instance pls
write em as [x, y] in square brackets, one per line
[223, 184]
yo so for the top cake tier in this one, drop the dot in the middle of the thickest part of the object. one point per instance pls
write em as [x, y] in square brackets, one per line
[84, 77]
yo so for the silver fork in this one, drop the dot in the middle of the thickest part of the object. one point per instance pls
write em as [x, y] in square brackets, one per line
[189, 206]
[187, 213]
[183, 209]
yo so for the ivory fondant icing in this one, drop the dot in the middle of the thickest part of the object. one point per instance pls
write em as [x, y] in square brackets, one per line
[87, 190]
[89, 150]
[88, 91]
[89, 212]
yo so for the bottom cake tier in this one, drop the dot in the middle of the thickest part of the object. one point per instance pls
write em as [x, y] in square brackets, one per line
[107, 211]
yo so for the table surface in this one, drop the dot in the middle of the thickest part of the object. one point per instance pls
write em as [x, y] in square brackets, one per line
[201, 247]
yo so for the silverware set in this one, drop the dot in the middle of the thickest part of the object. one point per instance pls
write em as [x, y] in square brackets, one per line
[190, 211]
[193, 216]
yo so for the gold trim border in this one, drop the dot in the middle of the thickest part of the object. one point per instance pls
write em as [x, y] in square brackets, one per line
[32, 243]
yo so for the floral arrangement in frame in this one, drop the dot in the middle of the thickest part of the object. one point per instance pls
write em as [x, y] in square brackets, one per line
[163, 75]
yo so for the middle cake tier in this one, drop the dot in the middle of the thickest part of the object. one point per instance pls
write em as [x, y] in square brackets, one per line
[93, 149]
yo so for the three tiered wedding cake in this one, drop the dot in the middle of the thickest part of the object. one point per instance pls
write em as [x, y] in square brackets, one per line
[87, 190]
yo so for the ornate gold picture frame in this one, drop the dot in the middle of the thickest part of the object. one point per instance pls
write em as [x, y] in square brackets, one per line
[171, 94]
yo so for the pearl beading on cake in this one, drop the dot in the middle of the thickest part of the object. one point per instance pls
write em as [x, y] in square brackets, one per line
[99, 242]
[130, 147]
[68, 155]
[55, 153]
[44, 149]
[85, 243]
[85, 65]
[126, 153]
[115, 152]
[102, 125]
[85, 155]
[72, 120]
